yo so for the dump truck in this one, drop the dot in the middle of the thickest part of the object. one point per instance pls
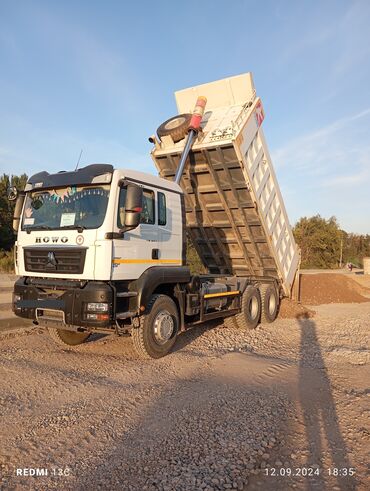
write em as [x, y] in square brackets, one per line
[103, 249]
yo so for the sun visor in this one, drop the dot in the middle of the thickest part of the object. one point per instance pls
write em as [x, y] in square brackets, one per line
[91, 174]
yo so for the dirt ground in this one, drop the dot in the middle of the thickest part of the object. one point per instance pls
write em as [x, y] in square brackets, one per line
[318, 289]
[282, 407]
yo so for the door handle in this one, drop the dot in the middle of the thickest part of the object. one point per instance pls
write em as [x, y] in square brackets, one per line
[155, 253]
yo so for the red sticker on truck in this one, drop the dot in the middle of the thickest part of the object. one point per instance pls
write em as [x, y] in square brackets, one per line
[259, 114]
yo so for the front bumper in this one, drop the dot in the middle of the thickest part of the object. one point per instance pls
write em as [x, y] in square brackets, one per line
[69, 299]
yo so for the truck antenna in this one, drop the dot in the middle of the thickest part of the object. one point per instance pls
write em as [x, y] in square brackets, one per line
[78, 161]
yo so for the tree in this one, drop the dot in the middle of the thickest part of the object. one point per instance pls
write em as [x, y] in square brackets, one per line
[355, 248]
[7, 236]
[319, 240]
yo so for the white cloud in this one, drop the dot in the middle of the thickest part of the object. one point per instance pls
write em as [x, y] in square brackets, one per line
[327, 171]
[346, 31]
[354, 50]
[361, 177]
[341, 147]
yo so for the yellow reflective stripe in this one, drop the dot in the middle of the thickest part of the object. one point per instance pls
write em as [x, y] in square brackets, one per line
[147, 261]
[221, 294]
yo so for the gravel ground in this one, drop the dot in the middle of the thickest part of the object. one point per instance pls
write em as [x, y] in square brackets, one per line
[226, 410]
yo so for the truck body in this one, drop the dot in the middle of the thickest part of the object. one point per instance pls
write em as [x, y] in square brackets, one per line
[104, 249]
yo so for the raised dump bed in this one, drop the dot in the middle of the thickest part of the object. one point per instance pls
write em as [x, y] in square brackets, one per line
[235, 214]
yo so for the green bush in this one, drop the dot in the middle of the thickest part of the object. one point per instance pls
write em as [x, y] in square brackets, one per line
[7, 261]
[7, 236]
[323, 243]
[319, 240]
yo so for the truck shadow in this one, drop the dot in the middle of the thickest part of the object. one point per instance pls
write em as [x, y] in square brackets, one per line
[189, 336]
[189, 425]
[323, 434]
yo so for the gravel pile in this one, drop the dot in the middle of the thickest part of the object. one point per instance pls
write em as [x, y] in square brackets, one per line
[212, 446]
[291, 309]
[324, 288]
[220, 340]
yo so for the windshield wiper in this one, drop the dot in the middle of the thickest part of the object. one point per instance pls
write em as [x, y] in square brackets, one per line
[79, 228]
[38, 227]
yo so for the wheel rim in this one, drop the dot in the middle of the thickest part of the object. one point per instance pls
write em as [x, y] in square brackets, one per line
[72, 338]
[163, 327]
[272, 304]
[253, 307]
[175, 123]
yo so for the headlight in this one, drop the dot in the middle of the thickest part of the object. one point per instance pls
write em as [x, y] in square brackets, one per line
[97, 307]
[16, 298]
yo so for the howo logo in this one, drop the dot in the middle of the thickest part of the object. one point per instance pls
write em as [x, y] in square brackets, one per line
[53, 240]
[51, 261]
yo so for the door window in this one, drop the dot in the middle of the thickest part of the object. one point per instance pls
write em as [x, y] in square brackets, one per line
[162, 215]
[121, 208]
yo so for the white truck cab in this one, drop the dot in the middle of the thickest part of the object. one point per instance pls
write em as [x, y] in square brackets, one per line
[79, 217]
[85, 238]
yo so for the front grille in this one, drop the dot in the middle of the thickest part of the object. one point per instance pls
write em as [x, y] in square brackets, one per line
[68, 260]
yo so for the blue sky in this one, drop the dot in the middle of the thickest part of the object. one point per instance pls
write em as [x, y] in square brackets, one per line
[101, 75]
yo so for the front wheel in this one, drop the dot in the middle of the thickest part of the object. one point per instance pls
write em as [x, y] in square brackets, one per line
[68, 338]
[158, 328]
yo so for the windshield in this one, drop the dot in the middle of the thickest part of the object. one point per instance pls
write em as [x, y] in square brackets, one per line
[70, 207]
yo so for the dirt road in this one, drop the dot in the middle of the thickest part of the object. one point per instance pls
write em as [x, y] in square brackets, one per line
[227, 410]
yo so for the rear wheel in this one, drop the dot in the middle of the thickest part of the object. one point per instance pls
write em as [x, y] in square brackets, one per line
[270, 303]
[250, 315]
[68, 338]
[176, 127]
[158, 328]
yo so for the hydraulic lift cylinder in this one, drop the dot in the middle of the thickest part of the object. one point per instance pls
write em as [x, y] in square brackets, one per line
[194, 127]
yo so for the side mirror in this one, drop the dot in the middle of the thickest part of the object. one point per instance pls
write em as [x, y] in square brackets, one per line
[12, 193]
[18, 209]
[133, 206]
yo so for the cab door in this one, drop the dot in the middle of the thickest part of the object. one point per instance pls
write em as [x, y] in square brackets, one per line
[170, 226]
[137, 250]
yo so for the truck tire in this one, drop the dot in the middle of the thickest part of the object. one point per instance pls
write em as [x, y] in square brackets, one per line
[250, 315]
[176, 127]
[270, 303]
[158, 328]
[68, 338]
